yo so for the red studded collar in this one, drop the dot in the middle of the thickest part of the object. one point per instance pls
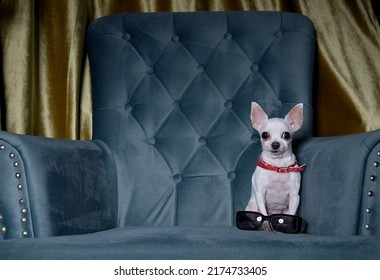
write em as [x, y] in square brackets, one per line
[291, 168]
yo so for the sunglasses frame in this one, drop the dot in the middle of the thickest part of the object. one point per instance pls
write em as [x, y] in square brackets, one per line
[301, 223]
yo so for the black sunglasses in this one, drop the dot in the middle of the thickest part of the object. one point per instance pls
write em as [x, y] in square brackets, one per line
[248, 220]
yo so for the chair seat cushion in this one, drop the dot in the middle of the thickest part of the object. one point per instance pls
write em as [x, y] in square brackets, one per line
[191, 243]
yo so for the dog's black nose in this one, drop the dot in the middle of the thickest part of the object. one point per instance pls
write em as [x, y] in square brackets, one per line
[275, 145]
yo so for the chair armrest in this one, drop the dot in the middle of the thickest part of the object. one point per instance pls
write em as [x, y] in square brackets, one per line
[53, 187]
[340, 193]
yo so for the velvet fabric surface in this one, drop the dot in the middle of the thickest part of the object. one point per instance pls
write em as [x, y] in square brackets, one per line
[187, 243]
[45, 79]
[52, 187]
[336, 186]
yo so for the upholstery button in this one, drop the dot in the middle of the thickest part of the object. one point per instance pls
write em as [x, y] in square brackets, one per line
[376, 164]
[23, 211]
[3, 229]
[278, 33]
[2, 147]
[200, 68]
[373, 178]
[19, 187]
[177, 178]
[126, 36]
[368, 210]
[175, 38]
[254, 67]
[11, 155]
[231, 175]
[18, 175]
[23, 220]
[378, 153]
[150, 70]
[228, 104]
[151, 140]
[24, 233]
[175, 105]
[128, 108]
[21, 201]
[202, 140]
[228, 36]
[370, 193]
[1, 218]
[367, 226]
[16, 164]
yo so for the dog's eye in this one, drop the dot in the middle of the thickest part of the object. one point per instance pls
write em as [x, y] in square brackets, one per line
[265, 135]
[286, 135]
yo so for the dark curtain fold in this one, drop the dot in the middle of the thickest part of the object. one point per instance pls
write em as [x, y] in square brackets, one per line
[45, 86]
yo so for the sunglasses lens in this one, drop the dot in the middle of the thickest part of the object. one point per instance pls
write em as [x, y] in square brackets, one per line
[286, 224]
[249, 220]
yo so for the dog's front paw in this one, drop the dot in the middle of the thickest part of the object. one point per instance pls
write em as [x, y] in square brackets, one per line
[289, 212]
[252, 206]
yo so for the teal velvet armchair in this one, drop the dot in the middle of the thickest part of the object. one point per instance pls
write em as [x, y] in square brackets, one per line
[173, 150]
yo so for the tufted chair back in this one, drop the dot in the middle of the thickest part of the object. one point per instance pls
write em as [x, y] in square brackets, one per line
[171, 97]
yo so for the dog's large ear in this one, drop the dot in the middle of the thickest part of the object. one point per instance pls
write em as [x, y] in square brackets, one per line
[295, 117]
[258, 116]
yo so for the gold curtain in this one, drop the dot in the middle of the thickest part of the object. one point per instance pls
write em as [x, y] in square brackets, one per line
[45, 86]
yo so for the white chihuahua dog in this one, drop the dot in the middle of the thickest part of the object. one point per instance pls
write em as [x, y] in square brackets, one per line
[276, 180]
